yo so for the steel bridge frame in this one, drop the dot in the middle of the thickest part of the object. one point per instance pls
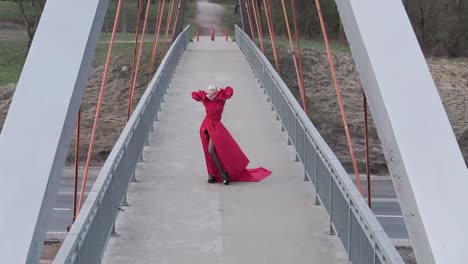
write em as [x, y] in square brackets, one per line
[427, 167]
[425, 161]
[37, 133]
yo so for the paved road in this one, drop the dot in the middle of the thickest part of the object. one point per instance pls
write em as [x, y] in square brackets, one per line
[210, 15]
[386, 207]
[63, 208]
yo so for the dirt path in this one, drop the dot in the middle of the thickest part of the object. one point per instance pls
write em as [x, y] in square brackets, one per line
[209, 16]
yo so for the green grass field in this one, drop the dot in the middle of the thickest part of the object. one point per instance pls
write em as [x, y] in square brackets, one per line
[13, 53]
[10, 11]
[307, 44]
[13, 50]
[13, 42]
[12, 56]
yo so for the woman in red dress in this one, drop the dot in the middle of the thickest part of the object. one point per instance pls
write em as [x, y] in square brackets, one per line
[224, 158]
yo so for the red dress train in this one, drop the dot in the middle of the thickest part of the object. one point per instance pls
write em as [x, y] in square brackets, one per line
[230, 155]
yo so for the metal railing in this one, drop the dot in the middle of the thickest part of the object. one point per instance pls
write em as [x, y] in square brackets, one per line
[86, 241]
[350, 217]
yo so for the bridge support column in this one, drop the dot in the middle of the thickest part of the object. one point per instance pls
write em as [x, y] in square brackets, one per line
[36, 136]
[427, 167]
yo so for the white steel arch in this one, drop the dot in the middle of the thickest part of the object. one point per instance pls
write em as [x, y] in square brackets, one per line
[37, 133]
[425, 161]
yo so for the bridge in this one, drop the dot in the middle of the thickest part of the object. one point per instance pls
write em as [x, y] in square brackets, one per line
[150, 202]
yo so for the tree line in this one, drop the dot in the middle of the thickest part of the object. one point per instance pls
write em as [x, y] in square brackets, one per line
[441, 26]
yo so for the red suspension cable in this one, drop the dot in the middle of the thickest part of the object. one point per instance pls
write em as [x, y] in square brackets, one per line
[98, 108]
[338, 93]
[137, 32]
[299, 54]
[156, 37]
[259, 27]
[271, 29]
[295, 60]
[251, 24]
[175, 21]
[259, 18]
[140, 50]
[366, 135]
[77, 161]
[168, 24]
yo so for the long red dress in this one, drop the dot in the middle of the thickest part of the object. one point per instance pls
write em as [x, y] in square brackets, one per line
[230, 155]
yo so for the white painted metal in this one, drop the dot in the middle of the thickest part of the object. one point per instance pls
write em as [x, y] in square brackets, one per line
[37, 133]
[426, 164]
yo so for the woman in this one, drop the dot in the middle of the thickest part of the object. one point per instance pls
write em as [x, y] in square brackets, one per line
[224, 158]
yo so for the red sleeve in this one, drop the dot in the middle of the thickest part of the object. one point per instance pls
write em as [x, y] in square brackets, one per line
[199, 95]
[227, 93]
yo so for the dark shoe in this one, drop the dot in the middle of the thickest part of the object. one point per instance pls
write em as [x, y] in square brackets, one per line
[226, 179]
[211, 179]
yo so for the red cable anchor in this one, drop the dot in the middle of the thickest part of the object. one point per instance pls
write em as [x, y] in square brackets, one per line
[212, 34]
[198, 33]
[226, 33]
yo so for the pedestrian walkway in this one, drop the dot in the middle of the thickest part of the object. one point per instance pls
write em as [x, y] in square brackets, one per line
[174, 216]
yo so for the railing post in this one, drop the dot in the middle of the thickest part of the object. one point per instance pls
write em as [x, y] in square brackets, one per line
[305, 157]
[317, 200]
[134, 179]
[332, 231]
[283, 126]
[125, 202]
[295, 139]
[113, 232]
[164, 84]
[350, 233]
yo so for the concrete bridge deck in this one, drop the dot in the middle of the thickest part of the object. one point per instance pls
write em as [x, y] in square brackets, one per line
[175, 216]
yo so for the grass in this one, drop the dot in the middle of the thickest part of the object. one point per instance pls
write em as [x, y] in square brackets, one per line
[13, 42]
[130, 37]
[10, 11]
[13, 49]
[12, 57]
[13, 52]
[121, 51]
[308, 44]
[190, 15]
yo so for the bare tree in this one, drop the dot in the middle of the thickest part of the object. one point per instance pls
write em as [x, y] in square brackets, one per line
[31, 21]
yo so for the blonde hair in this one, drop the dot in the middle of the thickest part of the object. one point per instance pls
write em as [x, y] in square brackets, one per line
[212, 87]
